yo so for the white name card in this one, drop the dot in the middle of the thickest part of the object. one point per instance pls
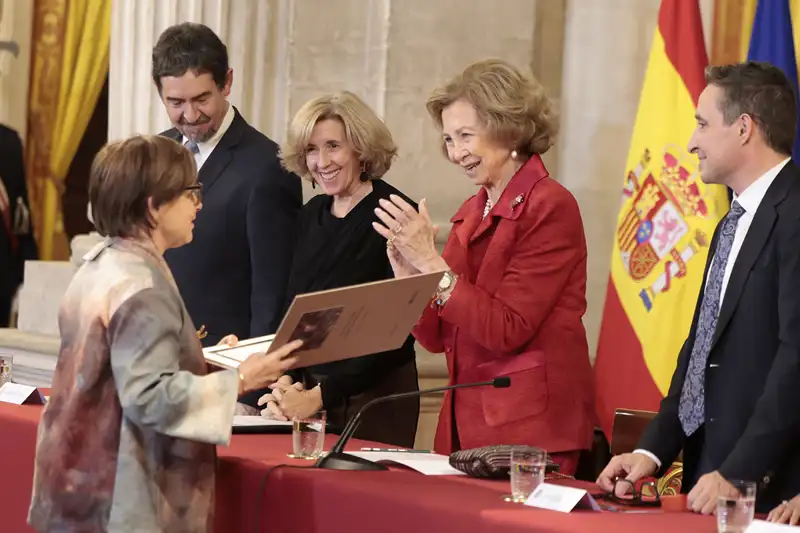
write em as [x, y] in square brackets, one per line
[760, 526]
[559, 498]
[19, 394]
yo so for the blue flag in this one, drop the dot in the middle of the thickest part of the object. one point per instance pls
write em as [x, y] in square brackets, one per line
[772, 41]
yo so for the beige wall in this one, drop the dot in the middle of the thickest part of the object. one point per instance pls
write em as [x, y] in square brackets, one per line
[598, 107]
[393, 54]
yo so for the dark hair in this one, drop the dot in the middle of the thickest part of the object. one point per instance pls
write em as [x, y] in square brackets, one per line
[189, 46]
[125, 174]
[763, 92]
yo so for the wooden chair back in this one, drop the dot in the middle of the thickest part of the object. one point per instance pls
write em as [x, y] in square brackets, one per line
[629, 424]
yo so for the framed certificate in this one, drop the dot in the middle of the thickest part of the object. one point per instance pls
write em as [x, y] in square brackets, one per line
[342, 323]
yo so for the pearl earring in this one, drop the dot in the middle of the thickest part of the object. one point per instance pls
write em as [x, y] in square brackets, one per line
[513, 154]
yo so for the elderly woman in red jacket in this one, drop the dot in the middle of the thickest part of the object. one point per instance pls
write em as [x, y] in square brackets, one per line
[511, 301]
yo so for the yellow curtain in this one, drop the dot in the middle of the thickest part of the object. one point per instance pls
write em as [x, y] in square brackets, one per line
[83, 43]
[49, 26]
[727, 34]
[733, 24]
[748, 14]
[795, 7]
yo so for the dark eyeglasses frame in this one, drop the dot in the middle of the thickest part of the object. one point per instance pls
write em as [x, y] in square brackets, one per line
[196, 192]
[636, 499]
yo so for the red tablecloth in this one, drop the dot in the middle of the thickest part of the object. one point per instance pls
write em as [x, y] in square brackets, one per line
[310, 501]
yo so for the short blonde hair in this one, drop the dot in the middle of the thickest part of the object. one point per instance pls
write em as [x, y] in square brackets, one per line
[367, 133]
[513, 107]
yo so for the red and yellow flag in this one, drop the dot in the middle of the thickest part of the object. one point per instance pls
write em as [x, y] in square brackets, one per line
[666, 220]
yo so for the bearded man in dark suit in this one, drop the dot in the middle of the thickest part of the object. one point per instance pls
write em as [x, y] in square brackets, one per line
[232, 276]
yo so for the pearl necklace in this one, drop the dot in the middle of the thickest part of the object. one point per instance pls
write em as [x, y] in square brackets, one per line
[487, 207]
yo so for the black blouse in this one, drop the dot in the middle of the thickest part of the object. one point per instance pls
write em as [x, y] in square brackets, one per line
[336, 252]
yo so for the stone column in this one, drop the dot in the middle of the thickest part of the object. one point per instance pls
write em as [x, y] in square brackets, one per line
[547, 61]
[250, 29]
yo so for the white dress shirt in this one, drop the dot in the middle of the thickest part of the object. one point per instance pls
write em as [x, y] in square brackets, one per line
[205, 148]
[750, 199]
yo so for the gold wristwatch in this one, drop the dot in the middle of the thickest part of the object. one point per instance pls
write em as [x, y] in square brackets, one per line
[446, 285]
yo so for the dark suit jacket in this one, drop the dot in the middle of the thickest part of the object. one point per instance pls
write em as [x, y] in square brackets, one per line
[233, 274]
[12, 259]
[752, 380]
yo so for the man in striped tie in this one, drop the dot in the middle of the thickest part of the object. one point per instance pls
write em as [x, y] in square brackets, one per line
[732, 406]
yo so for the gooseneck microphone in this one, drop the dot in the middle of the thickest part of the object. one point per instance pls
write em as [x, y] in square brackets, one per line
[336, 459]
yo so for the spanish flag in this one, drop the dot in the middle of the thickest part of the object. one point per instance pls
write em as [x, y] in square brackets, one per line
[666, 220]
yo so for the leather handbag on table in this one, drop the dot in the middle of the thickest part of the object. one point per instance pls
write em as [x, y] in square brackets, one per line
[491, 462]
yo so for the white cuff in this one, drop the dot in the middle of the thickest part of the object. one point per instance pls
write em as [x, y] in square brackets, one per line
[650, 455]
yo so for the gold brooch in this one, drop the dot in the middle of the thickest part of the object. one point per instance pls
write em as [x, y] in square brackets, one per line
[202, 333]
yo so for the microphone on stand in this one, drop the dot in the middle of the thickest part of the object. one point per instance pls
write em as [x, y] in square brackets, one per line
[336, 459]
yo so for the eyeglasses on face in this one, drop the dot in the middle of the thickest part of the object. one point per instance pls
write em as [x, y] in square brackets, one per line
[195, 192]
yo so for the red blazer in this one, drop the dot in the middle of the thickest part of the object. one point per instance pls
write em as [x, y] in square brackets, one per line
[516, 311]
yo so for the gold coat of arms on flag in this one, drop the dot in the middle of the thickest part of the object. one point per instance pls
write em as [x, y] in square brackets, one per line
[654, 234]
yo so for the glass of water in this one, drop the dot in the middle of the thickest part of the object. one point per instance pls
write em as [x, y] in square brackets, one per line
[527, 472]
[308, 436]
[5, 368]
[735, 512]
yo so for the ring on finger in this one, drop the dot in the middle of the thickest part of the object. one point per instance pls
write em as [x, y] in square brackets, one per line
[398, 229]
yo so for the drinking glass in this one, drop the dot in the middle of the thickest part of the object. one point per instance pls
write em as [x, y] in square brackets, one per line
[308, 436]
[527, 472]
[735, 512]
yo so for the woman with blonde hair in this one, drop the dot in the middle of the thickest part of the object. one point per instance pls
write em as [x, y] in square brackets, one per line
[514, 291]
[340, 145]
